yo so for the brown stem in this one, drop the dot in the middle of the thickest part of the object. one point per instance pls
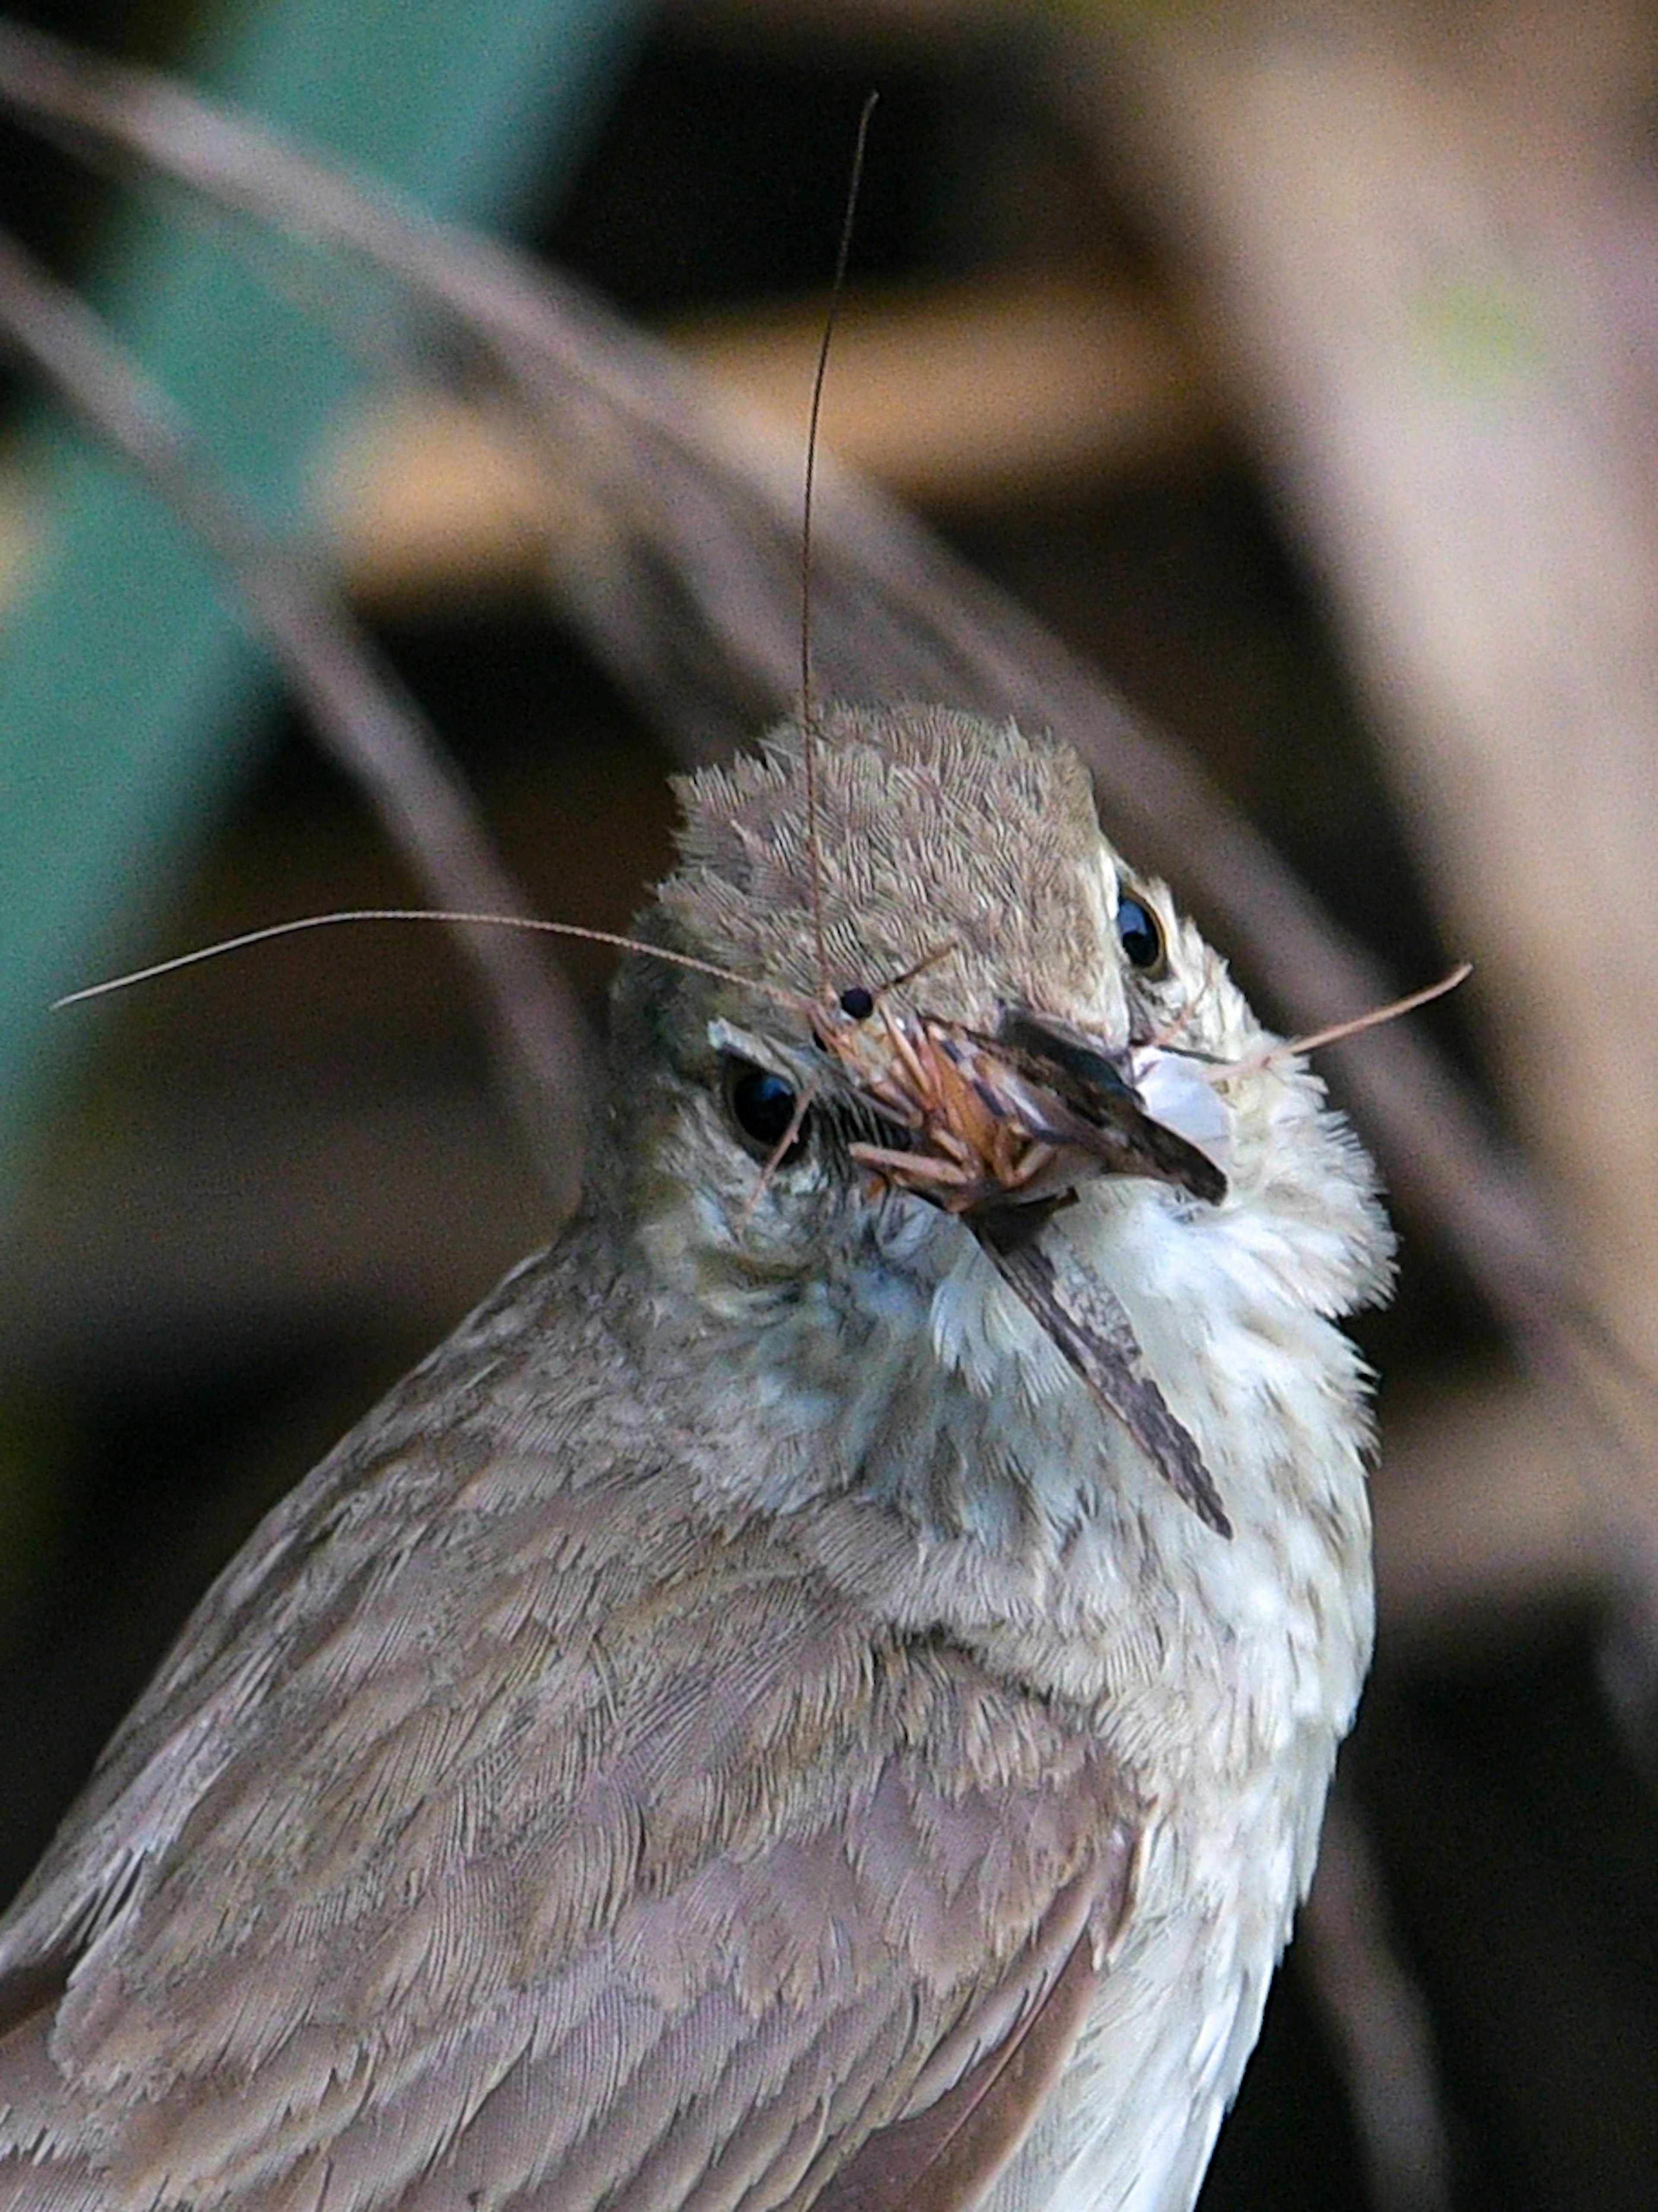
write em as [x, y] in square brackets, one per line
[362, 714]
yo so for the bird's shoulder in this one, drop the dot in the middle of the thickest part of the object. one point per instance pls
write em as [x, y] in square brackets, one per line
[531, 1774]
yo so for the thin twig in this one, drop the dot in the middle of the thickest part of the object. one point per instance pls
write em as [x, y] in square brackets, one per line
[1378, 2018]
[362, 714]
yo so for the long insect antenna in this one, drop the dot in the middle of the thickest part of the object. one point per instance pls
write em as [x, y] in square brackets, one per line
[777, 991]
[1354, 1027]
[808, 712]
[1378, 1015]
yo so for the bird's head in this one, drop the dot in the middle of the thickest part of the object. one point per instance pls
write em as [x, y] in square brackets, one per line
[947, 1016]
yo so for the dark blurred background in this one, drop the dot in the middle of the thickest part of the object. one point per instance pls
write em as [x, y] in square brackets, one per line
[245, 1197]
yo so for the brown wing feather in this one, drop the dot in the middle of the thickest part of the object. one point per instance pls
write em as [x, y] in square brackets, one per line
[946, 2156]
[556, 1850]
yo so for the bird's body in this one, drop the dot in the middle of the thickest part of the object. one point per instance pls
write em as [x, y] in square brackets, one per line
[762, 1717]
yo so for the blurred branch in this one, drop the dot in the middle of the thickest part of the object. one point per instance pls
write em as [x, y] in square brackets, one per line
[1487, 1511]
[1064, 377]
[1378, 2019]
[362, 715]
[684, 577]
[1415, 239]
[1063, 374]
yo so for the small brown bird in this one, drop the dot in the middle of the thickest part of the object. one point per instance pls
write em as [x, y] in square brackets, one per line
[821, 1692]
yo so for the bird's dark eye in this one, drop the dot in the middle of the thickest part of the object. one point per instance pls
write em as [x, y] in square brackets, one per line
[858, 1002]
[1139, 932]
[763, 1106]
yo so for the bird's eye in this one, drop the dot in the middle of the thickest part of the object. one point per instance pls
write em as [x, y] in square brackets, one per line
[1139, 933]
[762, 1105]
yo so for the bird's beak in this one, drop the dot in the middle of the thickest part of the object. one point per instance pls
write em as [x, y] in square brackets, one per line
[1003, 1130]
[1006, 1124]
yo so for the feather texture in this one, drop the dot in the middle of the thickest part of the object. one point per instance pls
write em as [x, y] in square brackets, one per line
[544, 1909]
[755, 1721]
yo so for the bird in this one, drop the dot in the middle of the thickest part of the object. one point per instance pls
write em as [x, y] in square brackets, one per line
[821, 1692]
